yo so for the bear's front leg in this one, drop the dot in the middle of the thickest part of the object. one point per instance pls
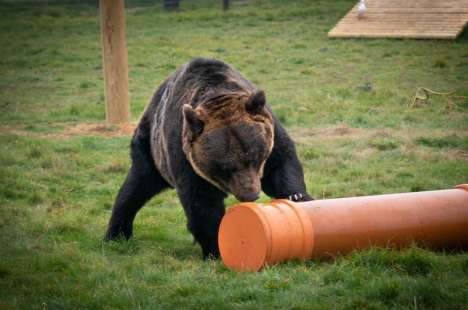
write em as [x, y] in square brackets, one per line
[286, 181]
[283, 176]
[204, 207]
[143, 182]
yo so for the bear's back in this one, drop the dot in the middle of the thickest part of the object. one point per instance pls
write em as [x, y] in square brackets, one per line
[207, 78]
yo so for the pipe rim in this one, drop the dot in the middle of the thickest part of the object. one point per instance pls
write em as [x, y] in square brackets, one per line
[254, 242]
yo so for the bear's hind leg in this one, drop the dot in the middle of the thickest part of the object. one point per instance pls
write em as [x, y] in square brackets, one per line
[142, 183]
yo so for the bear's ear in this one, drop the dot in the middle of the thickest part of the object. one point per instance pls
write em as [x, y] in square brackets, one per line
[192, 122]
[256, 102]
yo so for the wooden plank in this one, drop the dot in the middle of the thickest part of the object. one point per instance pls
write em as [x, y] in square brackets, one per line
[376, 31]
[405, 19]
[413, 10]
[416, 4]
[399, 28]
[432, 6]
[114, 54]
[401, 24]
[392, 34]
[384, 35]
[424, 16]
[433, 18]
[375, 22]
[364, 31]
[406, 23]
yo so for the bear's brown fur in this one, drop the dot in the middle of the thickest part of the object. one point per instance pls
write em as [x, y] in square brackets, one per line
[207, 132]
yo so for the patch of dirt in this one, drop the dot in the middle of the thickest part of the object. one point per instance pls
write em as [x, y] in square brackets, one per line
[462, 154]
[73, 130]
[382, 133]
[304, 135]
[100, 130]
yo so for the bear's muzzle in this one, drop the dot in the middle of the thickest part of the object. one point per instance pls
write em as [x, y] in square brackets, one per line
[245, 186]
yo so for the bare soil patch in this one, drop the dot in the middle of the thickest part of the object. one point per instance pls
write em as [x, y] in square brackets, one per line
[305, 135]
[74, 130]
[101, 130]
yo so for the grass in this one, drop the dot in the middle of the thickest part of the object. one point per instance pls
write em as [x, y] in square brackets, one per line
[345, 102]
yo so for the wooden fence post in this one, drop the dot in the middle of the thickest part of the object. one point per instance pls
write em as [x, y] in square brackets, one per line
[114, 54]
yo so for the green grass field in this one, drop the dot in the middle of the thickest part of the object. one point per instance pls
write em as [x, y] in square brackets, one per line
[346, 103]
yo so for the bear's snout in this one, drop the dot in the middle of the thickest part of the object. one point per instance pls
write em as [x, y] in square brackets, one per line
[246, 186]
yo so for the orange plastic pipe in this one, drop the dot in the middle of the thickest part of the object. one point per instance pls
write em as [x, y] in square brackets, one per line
[252, 235]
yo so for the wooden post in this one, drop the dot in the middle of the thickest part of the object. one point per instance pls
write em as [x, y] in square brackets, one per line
[114, 54]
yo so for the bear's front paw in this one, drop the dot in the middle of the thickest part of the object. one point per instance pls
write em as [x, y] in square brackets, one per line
[298, 197]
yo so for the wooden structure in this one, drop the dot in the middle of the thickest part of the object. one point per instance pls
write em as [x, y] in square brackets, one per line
[114, 52]
[419, 19]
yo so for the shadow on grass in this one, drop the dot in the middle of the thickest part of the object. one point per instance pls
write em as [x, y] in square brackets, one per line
[463, 37]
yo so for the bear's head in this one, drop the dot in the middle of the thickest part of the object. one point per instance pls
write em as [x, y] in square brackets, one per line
[227, 140]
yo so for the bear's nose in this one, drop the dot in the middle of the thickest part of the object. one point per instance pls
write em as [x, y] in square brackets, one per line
[248, 197]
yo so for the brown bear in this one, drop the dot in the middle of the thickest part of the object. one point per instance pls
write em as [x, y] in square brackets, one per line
[207, 132]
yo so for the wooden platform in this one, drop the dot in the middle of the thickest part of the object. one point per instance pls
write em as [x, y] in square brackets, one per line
[419, 19]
